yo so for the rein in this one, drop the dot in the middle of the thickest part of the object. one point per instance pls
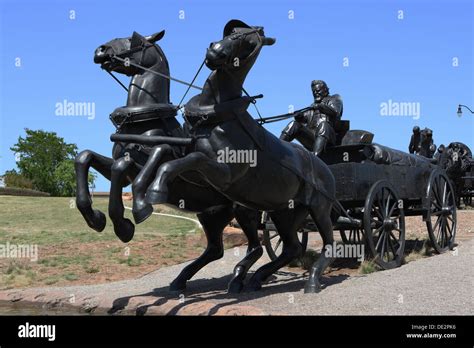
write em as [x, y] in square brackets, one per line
[127, 62]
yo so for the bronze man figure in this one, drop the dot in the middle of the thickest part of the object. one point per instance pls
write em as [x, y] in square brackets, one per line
[315, 128]
[414, 146]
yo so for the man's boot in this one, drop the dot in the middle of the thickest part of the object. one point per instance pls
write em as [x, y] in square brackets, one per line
[319, 145]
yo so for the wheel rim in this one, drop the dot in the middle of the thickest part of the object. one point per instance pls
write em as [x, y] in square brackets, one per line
[384, 225]
[441, 218]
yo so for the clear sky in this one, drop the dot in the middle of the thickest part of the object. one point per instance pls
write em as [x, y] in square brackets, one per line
[369, 52]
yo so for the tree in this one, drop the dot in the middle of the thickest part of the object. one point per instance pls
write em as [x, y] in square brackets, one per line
[47, 160]
[65, 179]
[14, 179]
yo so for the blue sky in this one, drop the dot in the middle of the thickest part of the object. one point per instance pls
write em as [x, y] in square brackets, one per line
[407, 59]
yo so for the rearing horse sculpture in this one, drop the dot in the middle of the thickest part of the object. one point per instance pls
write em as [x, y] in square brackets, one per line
[288, 181]
[149, 113]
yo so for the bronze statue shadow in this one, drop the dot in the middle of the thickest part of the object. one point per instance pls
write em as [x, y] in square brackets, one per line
[215, 290]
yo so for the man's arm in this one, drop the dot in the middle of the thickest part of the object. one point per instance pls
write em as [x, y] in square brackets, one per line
[333, 108]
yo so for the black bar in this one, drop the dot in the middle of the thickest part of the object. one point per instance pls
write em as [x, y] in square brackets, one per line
[292, 331]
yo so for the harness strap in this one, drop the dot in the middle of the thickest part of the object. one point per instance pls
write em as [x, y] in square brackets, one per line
[156, 72]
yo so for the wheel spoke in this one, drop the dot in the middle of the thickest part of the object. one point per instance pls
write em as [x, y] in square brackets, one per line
[450, 230]
[275, 235]
[377, 231]
[435, 206]
[436, 213]
[444, 193]
[387, 204]
[438, 231]
[391, 245]
[392, 208]
[377, 222]
[382, 242]
[377, 211]
[277, 244]
[437, 222]
[379, 240]
[442, 233]
[395, 239]
[436, 195]
[381, 210]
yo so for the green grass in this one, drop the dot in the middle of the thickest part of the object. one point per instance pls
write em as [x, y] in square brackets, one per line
[367, 267]
[69, 251]
[53, 220]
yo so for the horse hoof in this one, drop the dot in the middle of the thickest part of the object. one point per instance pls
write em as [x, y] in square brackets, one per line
[141, 215]
[99, 221]
[312, 289]
[235, 286]
[177, 286]
[125, 230]
[156, 197]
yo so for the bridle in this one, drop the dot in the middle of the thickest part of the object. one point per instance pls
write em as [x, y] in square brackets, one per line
[145, 45]
[127, 62]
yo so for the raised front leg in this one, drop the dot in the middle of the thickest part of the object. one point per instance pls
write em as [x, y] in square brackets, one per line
[123, 171]
[217, 174]
[141, 209]
[86, 159]
[213, 222]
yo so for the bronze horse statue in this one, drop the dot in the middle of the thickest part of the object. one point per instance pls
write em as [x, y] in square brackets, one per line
[287, 180]
[149, 113]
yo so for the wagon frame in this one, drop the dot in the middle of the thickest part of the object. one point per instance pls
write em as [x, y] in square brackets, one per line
[373, 199]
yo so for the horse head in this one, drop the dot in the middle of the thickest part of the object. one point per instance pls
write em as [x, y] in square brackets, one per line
[134, 49]
[128, 56]
[230, 60]
[239, 47]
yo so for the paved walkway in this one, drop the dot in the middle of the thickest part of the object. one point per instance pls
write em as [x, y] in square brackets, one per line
[438, 285]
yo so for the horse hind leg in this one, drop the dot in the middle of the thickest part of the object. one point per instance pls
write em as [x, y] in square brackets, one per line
[248, 220]
[213, 221]
[287, 223]
[321, 215]
[95, 218]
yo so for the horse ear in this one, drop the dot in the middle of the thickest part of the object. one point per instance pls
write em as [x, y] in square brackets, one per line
[155, 37]
[268, 41]
[136, 40]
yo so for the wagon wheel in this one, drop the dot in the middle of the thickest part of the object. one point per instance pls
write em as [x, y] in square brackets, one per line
[441, 212]
[274, 245]
[384, 225]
